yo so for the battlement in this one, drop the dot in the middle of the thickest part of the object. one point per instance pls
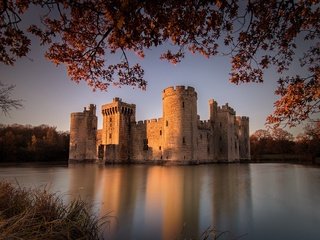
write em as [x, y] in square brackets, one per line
[152, 120]
[203, 124]
[117, 106]
[90, 111]
[242, 118]
[226, 108]
[117, 99]
[212, 101]
[183, 90]
[144, 122]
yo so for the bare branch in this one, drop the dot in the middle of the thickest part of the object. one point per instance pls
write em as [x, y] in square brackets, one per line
[6, 102]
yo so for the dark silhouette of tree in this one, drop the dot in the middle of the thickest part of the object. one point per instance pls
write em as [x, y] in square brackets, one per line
[260, 142]
[312, 130]
[259, 34]
[309, 141]
[19, 143]
[278, 141]
[282, 141]
[6, 102]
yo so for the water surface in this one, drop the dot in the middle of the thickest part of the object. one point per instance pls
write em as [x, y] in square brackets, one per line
[249, 201]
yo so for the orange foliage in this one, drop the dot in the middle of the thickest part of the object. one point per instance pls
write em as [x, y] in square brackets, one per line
[83, 35]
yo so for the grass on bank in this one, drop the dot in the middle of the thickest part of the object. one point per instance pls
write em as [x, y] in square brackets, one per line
[36, 214]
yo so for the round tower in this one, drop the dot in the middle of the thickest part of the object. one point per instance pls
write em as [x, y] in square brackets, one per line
[179, 123]
[83, 127]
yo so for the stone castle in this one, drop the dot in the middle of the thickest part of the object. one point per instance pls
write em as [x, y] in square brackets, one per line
[178, 137]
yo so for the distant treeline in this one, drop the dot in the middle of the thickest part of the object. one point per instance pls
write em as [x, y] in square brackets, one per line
[25, 143]
[278, 144]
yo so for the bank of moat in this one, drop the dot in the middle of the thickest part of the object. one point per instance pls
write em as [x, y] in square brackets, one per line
[178, 137]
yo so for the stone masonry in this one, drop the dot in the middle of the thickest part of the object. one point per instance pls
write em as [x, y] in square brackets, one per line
[178, 137]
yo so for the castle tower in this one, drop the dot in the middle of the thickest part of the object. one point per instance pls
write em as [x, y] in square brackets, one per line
[115, 136]
[244, 139]
[213, 140]
[179, 123]
[213, 108]
[83, 127]
[226, 132]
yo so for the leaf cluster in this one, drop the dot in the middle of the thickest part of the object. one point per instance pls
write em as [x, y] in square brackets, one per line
[84, 35]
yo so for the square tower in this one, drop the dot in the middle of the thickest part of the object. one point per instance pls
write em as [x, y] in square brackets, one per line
[115, 134]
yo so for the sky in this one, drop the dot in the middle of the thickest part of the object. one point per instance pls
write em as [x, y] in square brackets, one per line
[49, 96]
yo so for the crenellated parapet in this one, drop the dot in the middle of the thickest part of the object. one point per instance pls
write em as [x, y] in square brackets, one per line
[204, 124]
[90, 111]
[117, 106]
[144, 122]
[227, 108]
[179, 90]
[243, 119]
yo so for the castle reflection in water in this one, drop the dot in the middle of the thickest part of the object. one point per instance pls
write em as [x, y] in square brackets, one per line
[161, 202]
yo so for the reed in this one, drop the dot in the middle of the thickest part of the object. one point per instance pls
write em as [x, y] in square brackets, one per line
[37, 214]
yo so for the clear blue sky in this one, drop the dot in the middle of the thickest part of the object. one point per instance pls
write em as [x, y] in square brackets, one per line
[50, 96]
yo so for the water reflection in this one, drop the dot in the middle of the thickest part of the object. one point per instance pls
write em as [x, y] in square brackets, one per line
[167, 202]
[289, 205]
[266, 201]
[231, 195]
[121, 193]
[85, 181]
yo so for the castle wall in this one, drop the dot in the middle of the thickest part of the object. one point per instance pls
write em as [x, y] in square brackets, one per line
[139, 145]
[83, 127]
[203, 145]
[147, 140]
[155, 139]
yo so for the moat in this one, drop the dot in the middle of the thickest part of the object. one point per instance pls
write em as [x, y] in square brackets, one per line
[251, 201]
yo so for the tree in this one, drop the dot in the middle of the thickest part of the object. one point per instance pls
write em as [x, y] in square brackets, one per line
[27, 143]
[282, 141]
[309, 141]
[6, 102]
[261, 134]
[278, 141]
[312, 130]
[278, 134]
[260, 142]
[258, 34]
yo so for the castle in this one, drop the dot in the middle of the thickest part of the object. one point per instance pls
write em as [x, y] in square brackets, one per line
[178, 137]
